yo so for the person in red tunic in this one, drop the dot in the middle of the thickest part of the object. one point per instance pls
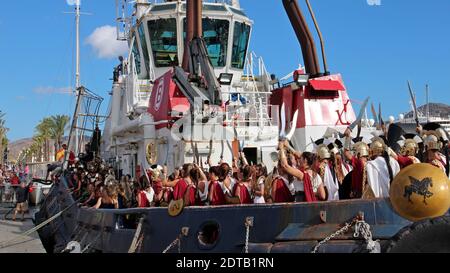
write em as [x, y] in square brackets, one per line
[192, 197]
[142, 198]
[280, 190]
[241, 189]
[216, 196]
[180, 185]
[358, 161]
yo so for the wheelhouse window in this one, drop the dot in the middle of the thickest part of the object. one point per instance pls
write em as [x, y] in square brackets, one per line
[163, 38]
[143, 42]
[240, 44]
[215, 34]
[137, 57]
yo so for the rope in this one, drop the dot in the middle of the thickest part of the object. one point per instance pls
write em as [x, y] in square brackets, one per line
[137, 240]
[92, 242]
[171, 245]
[36, 228]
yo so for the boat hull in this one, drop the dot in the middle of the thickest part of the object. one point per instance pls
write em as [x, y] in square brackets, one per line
[293, 227]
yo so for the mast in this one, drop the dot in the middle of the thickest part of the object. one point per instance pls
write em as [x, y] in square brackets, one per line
[77, 75]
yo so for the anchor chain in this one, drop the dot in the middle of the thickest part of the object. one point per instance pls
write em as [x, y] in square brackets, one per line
[362, 229]
[248, 224]
[337, 233]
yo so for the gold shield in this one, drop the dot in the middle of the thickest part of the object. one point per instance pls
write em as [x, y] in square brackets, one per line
[176, 207]
[152, 153]
[420, 191]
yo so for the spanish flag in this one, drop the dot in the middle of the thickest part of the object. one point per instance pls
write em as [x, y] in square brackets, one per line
[60, 155]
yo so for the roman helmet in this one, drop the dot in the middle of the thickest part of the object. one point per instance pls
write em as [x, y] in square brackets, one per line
[361, 149]
[409, 144]
[377, 147]
[323, 152]
[334, 145]
[420, 191]
[155, 172]
[431, 141]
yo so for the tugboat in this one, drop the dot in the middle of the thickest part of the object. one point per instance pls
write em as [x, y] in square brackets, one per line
[188, 91]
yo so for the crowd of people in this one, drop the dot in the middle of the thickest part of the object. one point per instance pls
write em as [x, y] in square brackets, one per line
[339, 169]
[15, 187]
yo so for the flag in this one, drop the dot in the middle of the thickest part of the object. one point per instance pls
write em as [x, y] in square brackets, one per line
[60, 155]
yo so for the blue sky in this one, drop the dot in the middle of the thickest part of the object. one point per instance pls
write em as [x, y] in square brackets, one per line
[376, 49]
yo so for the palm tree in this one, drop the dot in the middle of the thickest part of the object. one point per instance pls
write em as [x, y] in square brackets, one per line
[58, 126]
[43, 130]
[39, 143]
[3, 139]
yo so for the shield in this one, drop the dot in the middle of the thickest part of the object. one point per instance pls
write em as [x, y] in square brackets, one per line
[176, 207]
[395, 134]
[151, 153]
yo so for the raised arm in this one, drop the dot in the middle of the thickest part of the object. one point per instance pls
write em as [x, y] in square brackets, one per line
[285, 165]
[243, 159]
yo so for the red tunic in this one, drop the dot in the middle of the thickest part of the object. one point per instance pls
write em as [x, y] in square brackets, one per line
[144, 201]
[157, 187]
[241, 191]
[216, 195]
[180, 190]
[309, 191]
[191, 196]
[357, 175]
[281, 193]
[404, 161]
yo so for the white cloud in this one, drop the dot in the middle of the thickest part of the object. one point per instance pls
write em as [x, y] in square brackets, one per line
[45, 90]
[104, 42]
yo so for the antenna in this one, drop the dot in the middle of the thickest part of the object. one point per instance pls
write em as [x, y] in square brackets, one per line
[123, 21]
[78, 87]
[428, 102]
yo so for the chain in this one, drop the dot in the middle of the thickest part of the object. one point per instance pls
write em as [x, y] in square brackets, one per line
[337, 233]
[175, 242]
[247, 235]
[363, 229]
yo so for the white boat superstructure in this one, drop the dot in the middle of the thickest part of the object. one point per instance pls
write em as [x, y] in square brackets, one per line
[156, 42]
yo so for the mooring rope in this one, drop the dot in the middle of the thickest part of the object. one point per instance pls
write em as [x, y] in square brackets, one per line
[36, 228]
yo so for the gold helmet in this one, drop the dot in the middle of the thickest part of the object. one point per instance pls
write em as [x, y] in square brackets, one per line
[420, 191]
[409, 144]
[323, 152]
[156, 172]
[377, 147]
[410, 148]
[431, 141]
[361, 149]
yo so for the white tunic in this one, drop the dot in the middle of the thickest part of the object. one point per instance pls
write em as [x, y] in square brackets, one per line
[378, 175]
[260, 199]
[204, 195]
[331, 184]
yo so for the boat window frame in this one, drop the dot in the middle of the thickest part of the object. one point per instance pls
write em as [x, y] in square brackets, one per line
[143, 42]
[247, 45]
[175, 37]
[226, 44]
[135, 49]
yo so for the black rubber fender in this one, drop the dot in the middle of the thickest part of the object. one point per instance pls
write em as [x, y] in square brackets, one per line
[427, 236]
